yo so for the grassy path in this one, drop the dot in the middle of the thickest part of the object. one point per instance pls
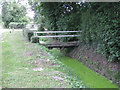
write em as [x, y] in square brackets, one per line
[27, 65]
[0, 74]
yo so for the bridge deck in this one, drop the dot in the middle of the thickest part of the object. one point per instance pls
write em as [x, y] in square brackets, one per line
[55, 36]
[58, 32]
[60, 44]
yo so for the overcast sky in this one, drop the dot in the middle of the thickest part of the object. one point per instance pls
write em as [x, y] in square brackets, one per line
[30, 13]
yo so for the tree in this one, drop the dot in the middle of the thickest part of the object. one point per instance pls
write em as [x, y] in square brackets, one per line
[99, 22]
[13, 12]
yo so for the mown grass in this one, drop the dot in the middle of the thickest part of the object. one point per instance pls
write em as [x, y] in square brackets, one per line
[19, 59]
[0, 62]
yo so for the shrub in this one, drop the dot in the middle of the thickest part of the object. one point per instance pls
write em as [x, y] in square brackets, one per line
[99, 23]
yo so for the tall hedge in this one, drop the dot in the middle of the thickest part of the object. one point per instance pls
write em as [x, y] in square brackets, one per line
[99, 22]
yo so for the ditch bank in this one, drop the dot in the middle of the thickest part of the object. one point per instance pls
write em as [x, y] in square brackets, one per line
[95, 61]
[88, 76]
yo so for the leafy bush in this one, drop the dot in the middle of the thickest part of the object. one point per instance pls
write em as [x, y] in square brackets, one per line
[13, 12]
[99, 23]
[17, 25]
[103, 28]
[34, 39]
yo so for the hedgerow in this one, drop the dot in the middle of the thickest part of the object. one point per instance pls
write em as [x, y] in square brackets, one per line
[99, 22]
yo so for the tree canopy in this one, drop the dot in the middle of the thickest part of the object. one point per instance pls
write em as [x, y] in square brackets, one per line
[13, 12]
[99, 22]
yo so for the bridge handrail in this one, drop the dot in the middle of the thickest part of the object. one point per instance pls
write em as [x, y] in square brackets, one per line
[56, 31]
[50, 36]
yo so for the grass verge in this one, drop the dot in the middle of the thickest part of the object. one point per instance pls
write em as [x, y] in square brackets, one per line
[27, 65]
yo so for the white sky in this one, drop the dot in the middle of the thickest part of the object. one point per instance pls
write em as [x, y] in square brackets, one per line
[30, 13]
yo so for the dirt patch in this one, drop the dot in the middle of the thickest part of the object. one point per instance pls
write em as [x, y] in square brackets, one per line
[38, 69]
[58, 78]
[97, 62]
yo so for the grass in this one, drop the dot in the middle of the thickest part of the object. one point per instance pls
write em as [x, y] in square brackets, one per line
[0, 63]
[89, 77]
[93, 79]
[21, 58]
[46, 40]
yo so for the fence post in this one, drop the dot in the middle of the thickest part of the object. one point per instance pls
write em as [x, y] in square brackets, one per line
[34, 34]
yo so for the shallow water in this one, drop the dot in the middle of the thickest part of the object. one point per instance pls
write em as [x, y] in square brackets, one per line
[89, 77]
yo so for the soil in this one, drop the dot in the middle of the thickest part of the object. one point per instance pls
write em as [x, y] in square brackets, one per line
[97, 62]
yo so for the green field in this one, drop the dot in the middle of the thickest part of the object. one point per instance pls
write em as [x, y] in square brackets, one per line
[27, 65]
[20, 59]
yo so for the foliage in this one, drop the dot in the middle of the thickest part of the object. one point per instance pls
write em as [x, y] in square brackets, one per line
[102, 28]
[17, 24]
[99, 23]
[1, 19]
[13, 12]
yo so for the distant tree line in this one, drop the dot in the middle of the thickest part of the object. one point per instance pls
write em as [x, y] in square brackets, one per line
[13, 12]
[99, 22]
